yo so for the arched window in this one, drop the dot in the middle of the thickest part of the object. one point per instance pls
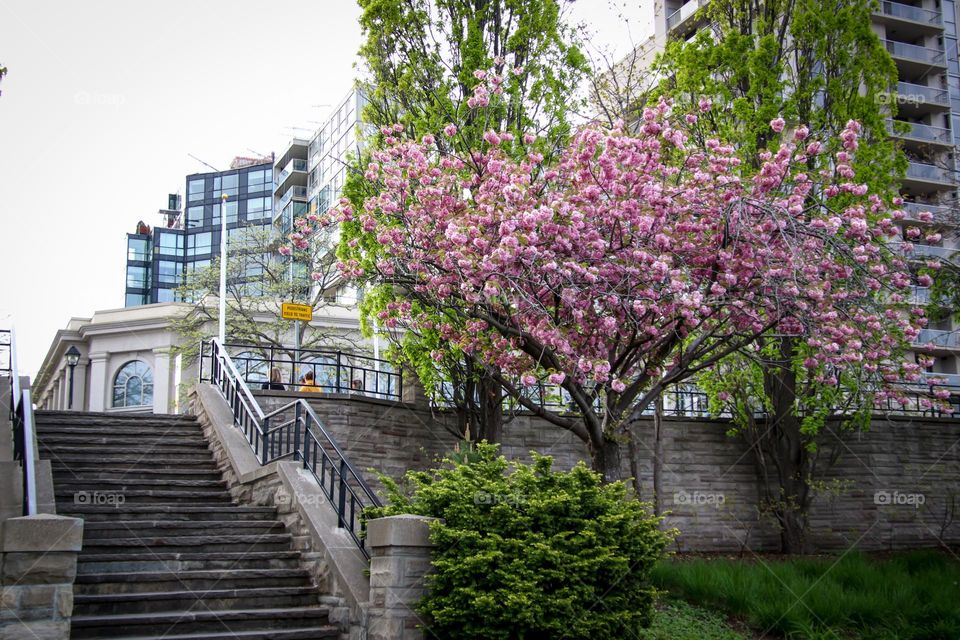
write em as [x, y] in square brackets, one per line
[133, 386]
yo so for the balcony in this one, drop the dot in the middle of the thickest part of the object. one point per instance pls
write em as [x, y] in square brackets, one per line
[682, 16]
[919, 98]
[945, 379]
[296, 149]
[919, 295]
[922, 251]
[914, 60]
[927, 179]
[941, 214]
[921, 133]
[294, 173]
[909, 18]
[938, 339]
[293, 193]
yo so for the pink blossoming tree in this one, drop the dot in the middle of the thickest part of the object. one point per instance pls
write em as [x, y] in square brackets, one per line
[631, 263]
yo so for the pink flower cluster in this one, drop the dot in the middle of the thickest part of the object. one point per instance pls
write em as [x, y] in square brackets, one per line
[619, 262]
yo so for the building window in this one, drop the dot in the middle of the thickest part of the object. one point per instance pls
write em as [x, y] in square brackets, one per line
[170, 244]
[194, 217]
[199, 244]
[167, 295]
[196, 265]
[195, 190]
[169, 272]
[133, 386]
[135, 300]
[137, 249]
[258, 181]
[258, 209]
[137, 277]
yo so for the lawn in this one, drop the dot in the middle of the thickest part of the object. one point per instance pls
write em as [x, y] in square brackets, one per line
[908, 596]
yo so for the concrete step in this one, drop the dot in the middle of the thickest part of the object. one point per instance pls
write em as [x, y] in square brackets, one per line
[188, 430]
[196, 581]
[156, 528]
[216, 599]
[96, 450]
[167, 625]
[305, 633]
[191, 544]
[101, 473]
[137, 459]
[90, 494]
[75, 417]
[167, 561]
[181, 512]
[131, 441]
[68, 482]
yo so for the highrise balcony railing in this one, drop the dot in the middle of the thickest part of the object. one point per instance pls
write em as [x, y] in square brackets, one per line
[930, 172]
[919, 94]
[947, 379]
[684, 12]
[920, 295]
[922, 251]
[293, 192]
[941, 214]
[920, 132]
[915, 52]
[938, 338]
[909, 12]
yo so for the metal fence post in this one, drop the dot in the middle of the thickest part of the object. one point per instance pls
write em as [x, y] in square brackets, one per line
[296, 432]
[342, 501]
[264, 453]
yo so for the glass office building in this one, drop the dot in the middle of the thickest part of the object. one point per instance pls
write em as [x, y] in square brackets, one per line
[189, 236]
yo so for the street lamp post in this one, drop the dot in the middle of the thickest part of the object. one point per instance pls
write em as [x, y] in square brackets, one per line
[73, 357]
[223, 271]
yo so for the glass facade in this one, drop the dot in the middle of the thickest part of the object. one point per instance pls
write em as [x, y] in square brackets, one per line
[157, 260]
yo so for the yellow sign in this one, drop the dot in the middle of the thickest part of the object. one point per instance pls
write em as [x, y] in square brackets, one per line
[293, 311]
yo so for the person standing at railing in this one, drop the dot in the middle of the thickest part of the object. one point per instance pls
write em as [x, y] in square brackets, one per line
[275, 383]
[309, 383]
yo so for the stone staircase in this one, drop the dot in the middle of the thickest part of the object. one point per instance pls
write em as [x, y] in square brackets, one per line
[166, 552]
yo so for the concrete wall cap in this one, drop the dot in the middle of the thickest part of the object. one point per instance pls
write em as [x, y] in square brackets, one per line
[399, 531]
[43, 532]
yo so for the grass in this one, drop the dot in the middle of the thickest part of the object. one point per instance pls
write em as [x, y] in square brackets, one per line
[909, 596]
[677, 620]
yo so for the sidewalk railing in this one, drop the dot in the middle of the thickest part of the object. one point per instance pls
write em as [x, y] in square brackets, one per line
[21, 417]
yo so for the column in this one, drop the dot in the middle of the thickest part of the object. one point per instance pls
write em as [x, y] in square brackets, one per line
[98, 381]
[399, 560]
[161, 380]
[80, 400]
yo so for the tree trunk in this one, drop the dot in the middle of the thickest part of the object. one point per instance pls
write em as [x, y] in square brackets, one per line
[606, 459]
[491, 410]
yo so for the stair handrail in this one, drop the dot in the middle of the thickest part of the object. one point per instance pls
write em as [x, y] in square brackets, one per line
[24, 438]
[348, 492]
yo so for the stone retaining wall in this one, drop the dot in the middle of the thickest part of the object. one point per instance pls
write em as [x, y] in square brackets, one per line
[896, 486]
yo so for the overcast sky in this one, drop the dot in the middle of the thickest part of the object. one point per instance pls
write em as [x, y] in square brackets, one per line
[105, 99]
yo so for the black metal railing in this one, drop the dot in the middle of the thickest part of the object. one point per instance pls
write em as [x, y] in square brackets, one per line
[6, 354]
[332, 371]
[21, 418]
[294, 432]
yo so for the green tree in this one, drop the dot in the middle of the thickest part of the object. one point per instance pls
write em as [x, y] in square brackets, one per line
[524, 551]
[258, 281]
[812, 62]
[419, 59]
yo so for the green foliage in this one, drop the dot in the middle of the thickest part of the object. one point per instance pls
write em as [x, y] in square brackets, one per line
[419, 57]
[677, 620]
[911, 596]
[523, 551]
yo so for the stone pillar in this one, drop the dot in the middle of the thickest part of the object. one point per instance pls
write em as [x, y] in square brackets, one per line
[98, 381]
[39, 567]
[161, 380]
[399, 561]
[80, 386]
[413, 391]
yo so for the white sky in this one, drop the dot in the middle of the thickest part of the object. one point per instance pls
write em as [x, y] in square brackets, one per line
[105, 99]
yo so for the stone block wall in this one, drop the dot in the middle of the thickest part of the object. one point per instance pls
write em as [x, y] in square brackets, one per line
[895, 486]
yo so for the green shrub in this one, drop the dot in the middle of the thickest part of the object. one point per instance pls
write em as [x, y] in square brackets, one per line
[523, 551]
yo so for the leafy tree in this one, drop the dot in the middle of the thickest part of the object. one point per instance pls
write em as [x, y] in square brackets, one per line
[258, 281]
[817, 63]
[419, 57]
[631, 263]
[523, 551]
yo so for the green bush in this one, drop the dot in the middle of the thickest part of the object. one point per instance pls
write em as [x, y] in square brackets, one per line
[523, 551]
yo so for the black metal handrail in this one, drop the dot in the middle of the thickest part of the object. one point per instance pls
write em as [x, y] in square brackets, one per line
[21, 418]
[333, 371]
[301, 437]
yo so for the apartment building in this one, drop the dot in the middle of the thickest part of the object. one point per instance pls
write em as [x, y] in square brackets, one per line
[188, 234]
